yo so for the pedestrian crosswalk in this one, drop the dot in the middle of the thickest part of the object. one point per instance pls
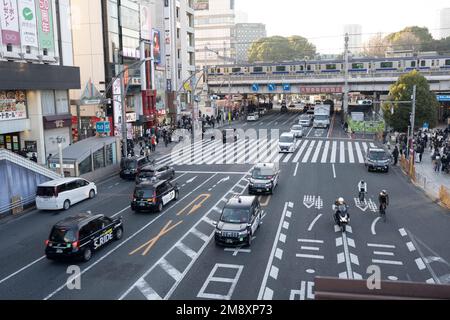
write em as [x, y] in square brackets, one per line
[253, 151]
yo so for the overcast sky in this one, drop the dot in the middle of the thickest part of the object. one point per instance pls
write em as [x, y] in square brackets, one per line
[322, 21]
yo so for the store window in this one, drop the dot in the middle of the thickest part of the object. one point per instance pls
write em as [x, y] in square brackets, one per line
[109, 155]
[85, 166]
[99, 159]
[62, 102]
[48, 102]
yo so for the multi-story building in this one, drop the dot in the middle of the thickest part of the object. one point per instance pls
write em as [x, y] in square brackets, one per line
[34, 103]
[244, 35]
[214, 23]
[354, 32]
[444, 25]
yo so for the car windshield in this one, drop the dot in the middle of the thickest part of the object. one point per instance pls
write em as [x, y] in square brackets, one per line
[63, 235]
[321, 117]
[261, 173]
[286, 139]
[234, 215]
[129, 164]
[45, 191]
[142, 193]
[146, 174]
[296, 128]
[378, 155]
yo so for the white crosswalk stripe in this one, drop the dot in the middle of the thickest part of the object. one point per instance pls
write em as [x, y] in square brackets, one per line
[254, 151]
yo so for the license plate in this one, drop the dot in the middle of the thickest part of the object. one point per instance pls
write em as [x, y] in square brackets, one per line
[142, 204]
[229, 241]
[59, 251]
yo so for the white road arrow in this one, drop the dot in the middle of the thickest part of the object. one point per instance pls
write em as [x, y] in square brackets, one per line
[361, 205]
[308, 201]
[224, 179]
[191, 180]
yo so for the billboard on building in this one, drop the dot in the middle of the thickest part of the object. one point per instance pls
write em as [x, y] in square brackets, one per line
[156, 44]
[9, 18]
[201, 5]
[146, 23]
[13, 105]
[28, 27]
[45, 24]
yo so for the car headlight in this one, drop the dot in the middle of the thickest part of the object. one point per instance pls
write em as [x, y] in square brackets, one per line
[218, 232]
[243, 232]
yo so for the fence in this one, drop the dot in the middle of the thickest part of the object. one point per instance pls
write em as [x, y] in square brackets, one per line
[435, 191]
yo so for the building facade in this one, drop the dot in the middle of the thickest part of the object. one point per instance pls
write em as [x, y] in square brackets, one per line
[214, 23]
[34, 103]
[354, 31]
[244, 35]
[444, 24]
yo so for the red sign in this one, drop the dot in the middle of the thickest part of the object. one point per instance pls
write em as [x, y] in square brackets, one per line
[307, 90]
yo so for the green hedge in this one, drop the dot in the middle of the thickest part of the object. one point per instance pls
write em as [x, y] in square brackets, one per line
[366, 126]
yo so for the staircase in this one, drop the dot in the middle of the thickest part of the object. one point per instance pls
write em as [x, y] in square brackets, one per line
[20, 177]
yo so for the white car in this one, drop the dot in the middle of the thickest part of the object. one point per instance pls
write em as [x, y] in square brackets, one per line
[297, 131]
[305, 120]
[287, 142]
[62, 193]
[252, 117]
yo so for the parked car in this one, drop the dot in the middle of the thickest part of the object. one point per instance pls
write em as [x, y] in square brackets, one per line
[240, 218]
[80, 235]
[161, 172]
[62, 193]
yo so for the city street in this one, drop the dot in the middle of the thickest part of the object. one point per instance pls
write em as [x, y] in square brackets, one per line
[172, 255]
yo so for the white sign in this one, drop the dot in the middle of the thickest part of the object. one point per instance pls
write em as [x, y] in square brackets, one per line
[131, 117]
[27, 18]
[9, 19]
[357, 116]
[116, 87]
[146, 25]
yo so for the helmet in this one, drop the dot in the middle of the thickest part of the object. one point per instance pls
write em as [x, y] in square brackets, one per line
[383, 192]
[341, 200]
[362, 181]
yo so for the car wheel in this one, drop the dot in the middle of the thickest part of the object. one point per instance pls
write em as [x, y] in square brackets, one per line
[119, 233]
[87, 254]
[249, 240]
[66, 205]
[91, 194]
[160, 207]
[387, 169]
[176, 195]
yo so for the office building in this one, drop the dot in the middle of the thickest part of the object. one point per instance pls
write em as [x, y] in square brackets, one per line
[354, 32]
[244, 35]
[444, 25]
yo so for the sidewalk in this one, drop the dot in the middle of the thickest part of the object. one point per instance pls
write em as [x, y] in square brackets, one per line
[425, 171]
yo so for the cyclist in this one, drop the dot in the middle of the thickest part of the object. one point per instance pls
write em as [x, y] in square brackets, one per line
[362, 189]
[383, 199]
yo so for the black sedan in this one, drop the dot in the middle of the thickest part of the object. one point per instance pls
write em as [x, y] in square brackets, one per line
[160, 172]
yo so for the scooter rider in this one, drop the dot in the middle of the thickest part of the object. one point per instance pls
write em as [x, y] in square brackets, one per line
[383, 198]
[339, 202]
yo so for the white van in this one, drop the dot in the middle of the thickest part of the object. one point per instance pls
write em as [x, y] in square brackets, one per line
[62, 193]
[287, 142]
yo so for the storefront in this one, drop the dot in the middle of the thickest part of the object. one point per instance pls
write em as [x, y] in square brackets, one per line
[13, 107]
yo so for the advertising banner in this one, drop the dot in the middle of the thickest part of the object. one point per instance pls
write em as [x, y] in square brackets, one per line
[45, 24]
[9, 18]
[146, 23]
[27, 19]
[156, 46]
[201, 5]
[117, 107]
[13, 105]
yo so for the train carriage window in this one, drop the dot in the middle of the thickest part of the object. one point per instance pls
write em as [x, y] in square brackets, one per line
[257, 69]
[280, 68]
[331, 66]
[422, 63]
[413, 64]
[447, 62]
[437, 62]
[308, 67]
[386, 64]
[302, 68]
[357, 66]
[235, 70]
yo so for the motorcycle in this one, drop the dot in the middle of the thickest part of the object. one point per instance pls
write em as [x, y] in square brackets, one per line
[341, 217]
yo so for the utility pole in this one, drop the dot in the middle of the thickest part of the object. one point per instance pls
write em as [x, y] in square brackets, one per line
[346, 89]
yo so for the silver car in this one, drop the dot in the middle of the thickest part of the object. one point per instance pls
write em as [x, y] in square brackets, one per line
[297, 131]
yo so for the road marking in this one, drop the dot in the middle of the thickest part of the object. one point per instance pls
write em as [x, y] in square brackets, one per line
[186, 250]
[208, 221]
[372, 145]
[334, 171]
[365, 147]
[420, 264]
[288, 214]
[309, 256]
[274, 272]
[373, 225]
[430, 281]
[266, 202]
[20, 270]
[199, 234]
[383, 253]
[296, 168]
[299, 153]
[350, 152]
[333, 152]
[351, 242]
[116, 184]
[282, 238]
[195, 206]
[286, 225]
[316, 154]
[308, 152]
[338, 242]
[147, 291]
[237, 250]
[309, 240]
[402, 232]
[170, 270]
[410, 246]
[209, 172]
[347, 256]
[268, 294]
[376, 245]
[325, 152]
[359, 153]
[398, 263]
[314, 222]
[310, 248]
[279, 254]
[211, 278]
[342, 152]
[340, 258]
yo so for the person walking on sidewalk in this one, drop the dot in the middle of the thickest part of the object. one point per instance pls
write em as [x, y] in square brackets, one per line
[436, 161]
[153, 143]
[395, 154]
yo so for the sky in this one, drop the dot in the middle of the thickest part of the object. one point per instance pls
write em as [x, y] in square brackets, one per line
[322, 21]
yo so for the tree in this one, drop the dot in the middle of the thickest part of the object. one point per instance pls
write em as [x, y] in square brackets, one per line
[402, 90]
[412, 38]
[376, 46]
[277, 48]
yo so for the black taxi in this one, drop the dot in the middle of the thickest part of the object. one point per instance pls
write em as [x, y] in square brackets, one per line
[154, 194]
[80, 235]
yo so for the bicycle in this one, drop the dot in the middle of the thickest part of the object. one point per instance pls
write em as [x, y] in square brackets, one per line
[362, 196]
[383, 211]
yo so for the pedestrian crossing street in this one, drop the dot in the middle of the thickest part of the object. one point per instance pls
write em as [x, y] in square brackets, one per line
[255, 151]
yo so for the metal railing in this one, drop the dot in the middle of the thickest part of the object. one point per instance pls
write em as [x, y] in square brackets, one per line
[20, 203]
[17, 159]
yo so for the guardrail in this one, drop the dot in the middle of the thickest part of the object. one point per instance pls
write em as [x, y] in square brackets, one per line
[15, 158]
[17, 204]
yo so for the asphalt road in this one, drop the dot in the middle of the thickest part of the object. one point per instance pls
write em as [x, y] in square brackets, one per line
[172, 255]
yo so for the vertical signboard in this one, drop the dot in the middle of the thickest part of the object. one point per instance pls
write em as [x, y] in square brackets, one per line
[9, 18]
[117, 90]
[156, 46]
[45, 24]
[146, 24]
[27, 19]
